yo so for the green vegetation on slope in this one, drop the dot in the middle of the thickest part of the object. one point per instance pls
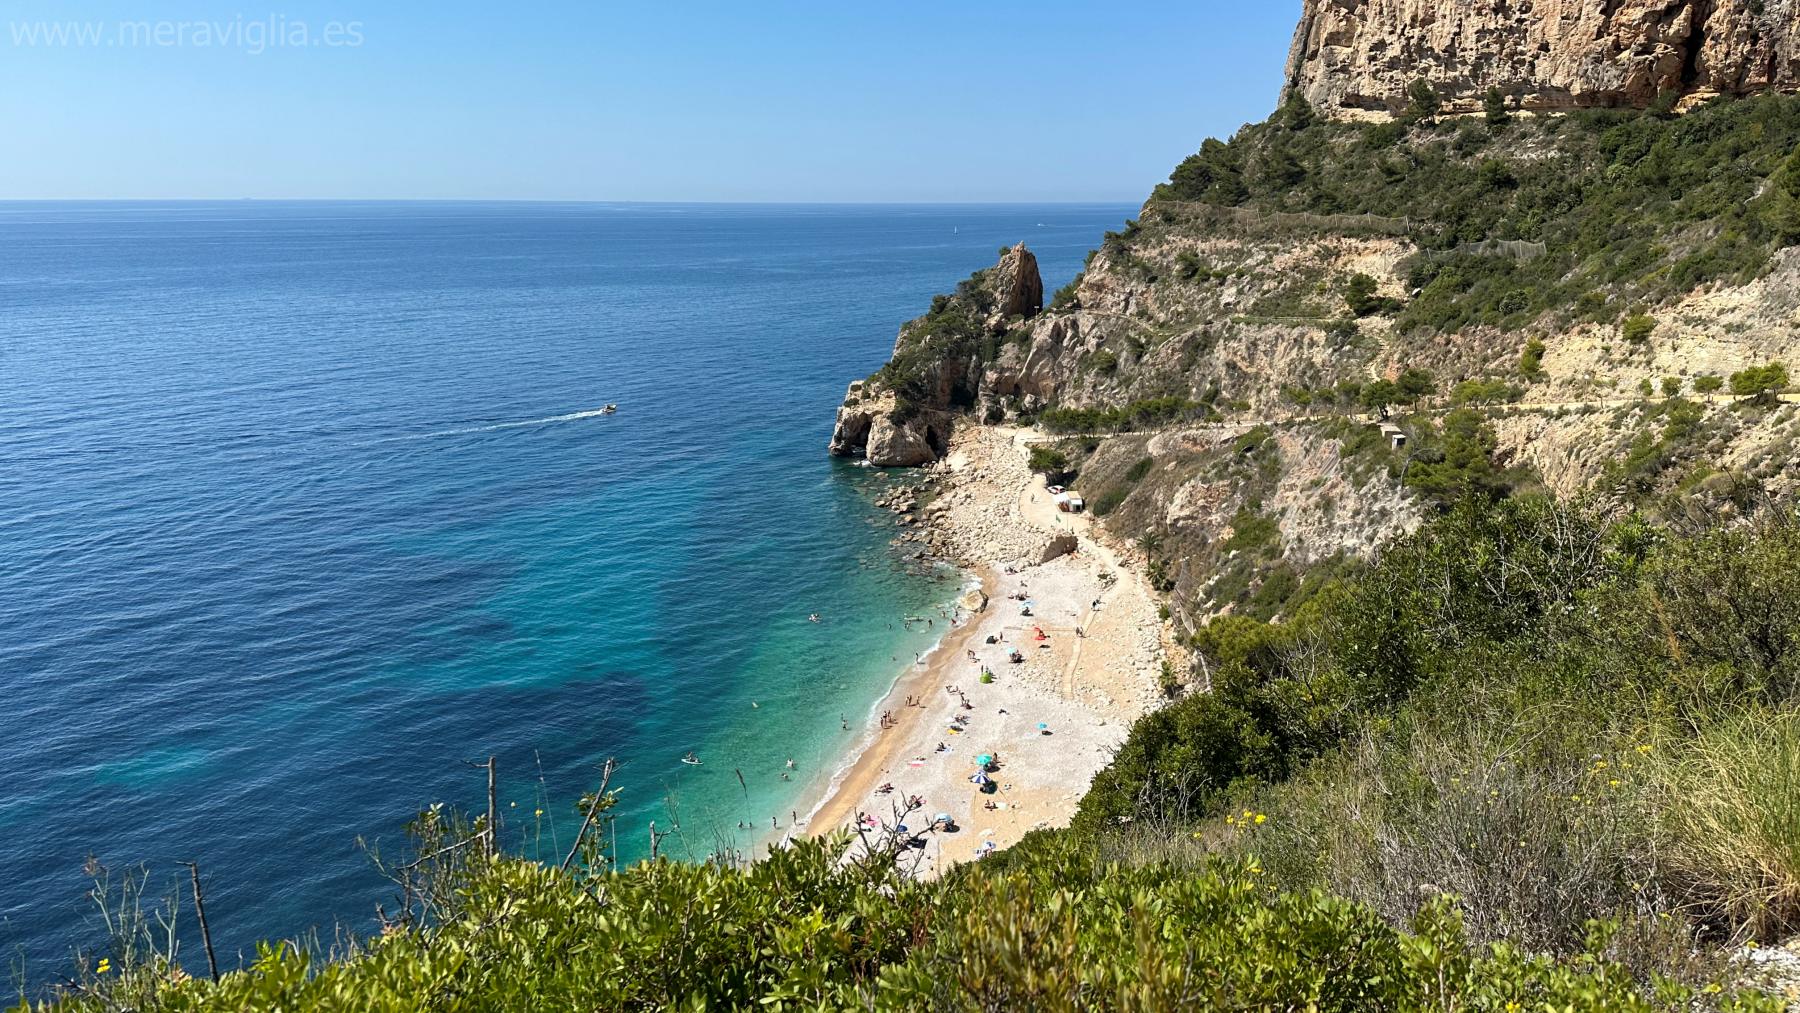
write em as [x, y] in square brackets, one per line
[1631, 207]
[1554, 719]
[953, 332]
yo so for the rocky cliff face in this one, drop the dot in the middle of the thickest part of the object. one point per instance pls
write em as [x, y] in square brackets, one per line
[903, 416]
[1359, 56]
[1018, 288]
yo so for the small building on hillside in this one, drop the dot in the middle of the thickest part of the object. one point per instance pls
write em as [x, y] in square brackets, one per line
[1070, 502]
[1396, 436]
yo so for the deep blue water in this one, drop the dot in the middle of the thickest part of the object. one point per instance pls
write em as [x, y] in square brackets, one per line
[302, 506]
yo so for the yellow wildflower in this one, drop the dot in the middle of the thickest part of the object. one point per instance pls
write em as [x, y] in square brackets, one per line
[105, 966]
[1260, 818]
[537, 812]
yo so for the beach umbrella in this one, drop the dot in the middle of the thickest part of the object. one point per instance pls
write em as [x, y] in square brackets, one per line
[984, 759]
[942, 818]
[1042, 727]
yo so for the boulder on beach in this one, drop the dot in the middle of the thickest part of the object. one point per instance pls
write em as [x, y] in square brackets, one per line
[1058, 547]
[973, 602]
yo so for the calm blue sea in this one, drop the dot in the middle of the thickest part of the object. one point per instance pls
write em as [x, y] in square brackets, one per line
[302, 506]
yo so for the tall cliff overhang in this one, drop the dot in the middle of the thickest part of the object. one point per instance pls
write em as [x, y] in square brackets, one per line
[1357, 57]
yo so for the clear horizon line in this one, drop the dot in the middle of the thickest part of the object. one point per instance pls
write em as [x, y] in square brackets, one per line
[554, 200]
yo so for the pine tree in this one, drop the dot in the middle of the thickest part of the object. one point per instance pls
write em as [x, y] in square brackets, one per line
[1495, 106]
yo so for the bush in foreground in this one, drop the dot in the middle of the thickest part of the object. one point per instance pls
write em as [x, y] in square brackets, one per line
[1055, 930]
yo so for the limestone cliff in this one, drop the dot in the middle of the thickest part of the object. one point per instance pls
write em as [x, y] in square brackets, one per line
[902, 417]
[1359, 56]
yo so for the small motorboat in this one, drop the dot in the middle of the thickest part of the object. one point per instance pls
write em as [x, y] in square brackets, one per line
[609, 409]
[691, 760]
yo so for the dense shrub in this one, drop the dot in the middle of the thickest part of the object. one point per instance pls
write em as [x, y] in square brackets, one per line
[1637, 328]
[1137, 415]
[1758, 381]
[1531, 360]
[1048, 460]
[1360, 297]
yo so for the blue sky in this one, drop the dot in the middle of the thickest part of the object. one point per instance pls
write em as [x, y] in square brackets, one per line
[845, 101]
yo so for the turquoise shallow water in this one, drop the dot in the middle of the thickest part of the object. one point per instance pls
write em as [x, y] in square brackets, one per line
[304, 505]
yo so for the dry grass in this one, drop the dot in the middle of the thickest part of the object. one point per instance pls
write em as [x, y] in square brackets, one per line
[1728, 824]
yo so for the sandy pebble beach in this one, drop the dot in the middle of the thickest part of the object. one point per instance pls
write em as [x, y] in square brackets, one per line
[995, 518]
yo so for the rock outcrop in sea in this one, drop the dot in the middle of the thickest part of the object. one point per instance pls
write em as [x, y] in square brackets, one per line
[1354, 57]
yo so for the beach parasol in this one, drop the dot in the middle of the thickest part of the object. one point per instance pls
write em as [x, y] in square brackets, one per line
[985, 759]
[943, 818]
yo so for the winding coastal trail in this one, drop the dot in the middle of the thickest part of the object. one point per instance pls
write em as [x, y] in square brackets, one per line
[1029, 437]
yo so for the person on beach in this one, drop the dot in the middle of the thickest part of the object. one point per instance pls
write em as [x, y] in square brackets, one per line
[790, 763]
[774, 824]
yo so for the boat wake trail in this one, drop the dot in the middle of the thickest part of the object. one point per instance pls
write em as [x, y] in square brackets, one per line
[497, 426]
